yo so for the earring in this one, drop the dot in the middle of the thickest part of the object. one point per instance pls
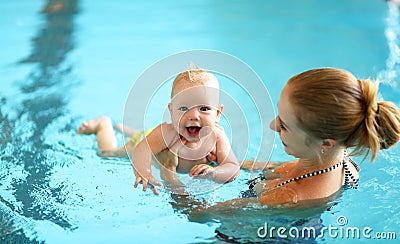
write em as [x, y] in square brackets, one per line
[322, 151]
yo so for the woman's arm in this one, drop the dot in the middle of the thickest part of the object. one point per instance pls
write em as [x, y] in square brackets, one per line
[278, 196]
[252, 165]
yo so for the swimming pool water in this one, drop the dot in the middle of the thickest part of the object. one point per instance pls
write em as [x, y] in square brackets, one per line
[76, 60]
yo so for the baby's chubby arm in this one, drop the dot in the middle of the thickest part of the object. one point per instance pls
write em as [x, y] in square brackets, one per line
[228, 167]
[142, 157]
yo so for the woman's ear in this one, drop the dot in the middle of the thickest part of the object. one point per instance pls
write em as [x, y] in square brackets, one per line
[328, 145]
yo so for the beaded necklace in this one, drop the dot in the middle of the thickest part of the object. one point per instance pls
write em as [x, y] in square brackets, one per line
[319, 172]
[349, 180]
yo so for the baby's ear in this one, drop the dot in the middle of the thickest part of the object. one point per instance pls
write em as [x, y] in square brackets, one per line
[170, 107]
[219, 111]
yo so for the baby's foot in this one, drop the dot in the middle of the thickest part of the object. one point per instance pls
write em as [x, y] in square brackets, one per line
[92, 126]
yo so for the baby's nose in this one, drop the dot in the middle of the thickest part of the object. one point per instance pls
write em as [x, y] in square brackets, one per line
[193, 114]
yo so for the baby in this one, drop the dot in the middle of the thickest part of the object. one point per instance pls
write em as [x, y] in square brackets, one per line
[186, 145]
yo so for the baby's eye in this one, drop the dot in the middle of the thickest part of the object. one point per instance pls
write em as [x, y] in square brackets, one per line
[183, 108]
[204, 109]
[282, 126]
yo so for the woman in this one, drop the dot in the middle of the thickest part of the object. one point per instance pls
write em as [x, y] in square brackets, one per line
[322, 114]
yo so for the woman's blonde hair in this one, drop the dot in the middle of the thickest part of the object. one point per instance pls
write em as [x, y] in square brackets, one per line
[333, 104]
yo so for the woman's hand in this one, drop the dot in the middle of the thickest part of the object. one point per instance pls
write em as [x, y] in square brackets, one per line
[211, 157]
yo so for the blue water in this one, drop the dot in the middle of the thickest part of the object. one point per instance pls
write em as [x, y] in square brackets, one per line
[60, 68]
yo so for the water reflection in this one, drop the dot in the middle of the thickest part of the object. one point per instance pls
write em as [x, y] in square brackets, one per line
[43, 101]
[239, 220]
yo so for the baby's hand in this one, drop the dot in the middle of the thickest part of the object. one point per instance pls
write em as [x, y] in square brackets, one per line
[202, 171]
[146, 180]
[211, 157]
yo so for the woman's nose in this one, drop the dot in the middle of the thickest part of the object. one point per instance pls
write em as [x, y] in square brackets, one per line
[274, 125]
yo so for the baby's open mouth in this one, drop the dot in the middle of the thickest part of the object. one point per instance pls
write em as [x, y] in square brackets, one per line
[193, 131]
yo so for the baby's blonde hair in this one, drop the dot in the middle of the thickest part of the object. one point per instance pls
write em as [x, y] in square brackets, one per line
[193, 77]
[332, 103]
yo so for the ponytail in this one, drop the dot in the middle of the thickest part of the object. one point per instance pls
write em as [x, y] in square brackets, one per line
[388, 121]
[366, 137]
[380, 128]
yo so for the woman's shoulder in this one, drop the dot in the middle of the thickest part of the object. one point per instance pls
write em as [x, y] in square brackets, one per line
[286, 166]
[278, 196]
